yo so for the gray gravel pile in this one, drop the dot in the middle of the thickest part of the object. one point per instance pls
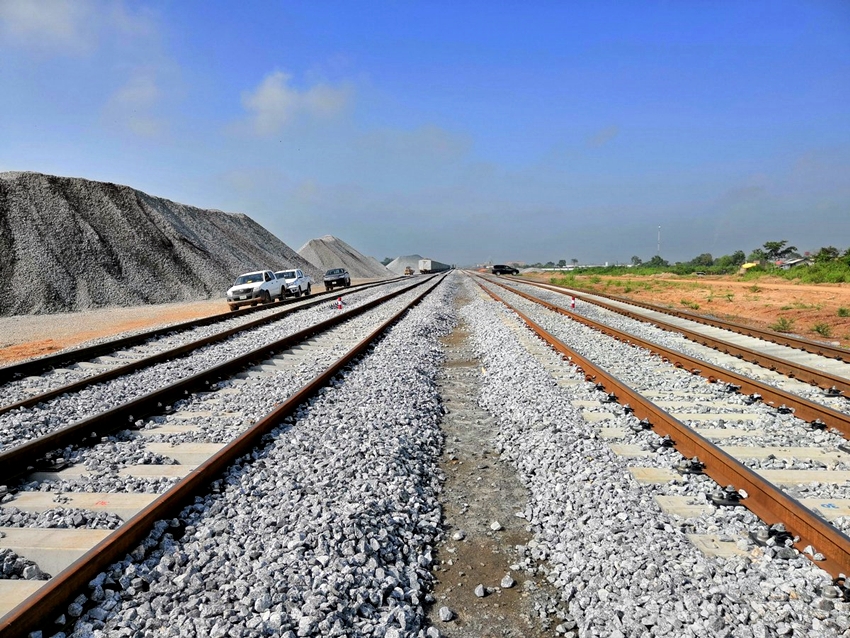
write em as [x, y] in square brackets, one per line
[22, 424]
[73, 244]
[398, 264]
[14, 567]
[328, 531]
[330, 252]
[60, 517]
[624, 568]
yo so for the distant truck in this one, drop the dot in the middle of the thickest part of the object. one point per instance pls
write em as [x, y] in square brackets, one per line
[501, 269]
[427, 266]
[253, 288]
[295, 283]
[408, 271]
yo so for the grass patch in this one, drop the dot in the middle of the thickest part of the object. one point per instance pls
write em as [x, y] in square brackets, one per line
[729, 296]
[844, 312]
[627, 288]
[823, 329]
[689, 304]
[782, 324]
[755, 288]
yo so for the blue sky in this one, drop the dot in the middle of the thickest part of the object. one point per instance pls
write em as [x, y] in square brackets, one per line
[463, 131]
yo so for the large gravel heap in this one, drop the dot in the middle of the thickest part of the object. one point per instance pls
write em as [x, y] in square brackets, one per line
[74, 244]
[331, 252]
[398, 264]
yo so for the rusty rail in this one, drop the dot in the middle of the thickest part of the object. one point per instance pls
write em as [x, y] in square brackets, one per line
[17, 460]
[798, 343]
[59, 359]
[49, 601]
[765, 500]
[803, 409]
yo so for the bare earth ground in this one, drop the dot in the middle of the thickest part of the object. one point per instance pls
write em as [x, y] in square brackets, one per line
[760, 303]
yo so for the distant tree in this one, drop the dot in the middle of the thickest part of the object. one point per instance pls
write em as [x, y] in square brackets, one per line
[386, 260]
[562, 263]
[549, 264]
[774, 250]
[658, 262]
[757, 255]
[636, 261]
[574, 261]
[828, 253]
[703, 260]
[738, 257]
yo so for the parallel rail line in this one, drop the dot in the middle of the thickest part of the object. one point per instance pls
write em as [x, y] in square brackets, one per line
[166, 355]
[764, 499]
[49, 601]
[807, 410]
[798, 343]
[793, 370]
[22, 458]
[65, 357]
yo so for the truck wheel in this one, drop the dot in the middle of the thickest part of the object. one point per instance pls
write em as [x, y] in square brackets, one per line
[347, 283]
[297, 293]
[308, 290]
[329, 288]
[267, 297]
[233, 307]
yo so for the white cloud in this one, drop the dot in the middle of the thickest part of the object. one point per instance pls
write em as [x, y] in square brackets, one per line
[64, 25]
[133, 106]
[274, 103]
[70, 27]
[603, 136]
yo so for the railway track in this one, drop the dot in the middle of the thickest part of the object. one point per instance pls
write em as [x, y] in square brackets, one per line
[820, 408]
[186, 449]
[750, 442]
[822, 365]
[799, 343]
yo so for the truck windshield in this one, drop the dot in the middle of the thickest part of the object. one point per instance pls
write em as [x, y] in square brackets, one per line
[334, 271]
[286, 274]
[250, 278]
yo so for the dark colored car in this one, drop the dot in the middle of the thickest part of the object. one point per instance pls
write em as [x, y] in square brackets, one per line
[336, 278]
[501, 269]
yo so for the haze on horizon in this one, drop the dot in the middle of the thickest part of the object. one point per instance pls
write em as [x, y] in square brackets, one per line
[461, 131]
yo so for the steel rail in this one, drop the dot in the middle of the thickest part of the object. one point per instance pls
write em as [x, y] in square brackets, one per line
[798, 343]
[49, 601]
[20, 459]
[166, 355]
[59, 359]
[807, 410]
[764, 499]
[797, 371]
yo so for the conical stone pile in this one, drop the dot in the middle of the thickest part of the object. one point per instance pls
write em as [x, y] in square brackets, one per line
[331, 252]
[74, 244]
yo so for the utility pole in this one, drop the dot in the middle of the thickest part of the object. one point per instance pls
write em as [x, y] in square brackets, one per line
[659, 241]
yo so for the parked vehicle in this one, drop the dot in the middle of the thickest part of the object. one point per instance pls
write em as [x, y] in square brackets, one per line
[501, 269]
[337, 278]
[408, 271]
[253, 288]
[295, 283]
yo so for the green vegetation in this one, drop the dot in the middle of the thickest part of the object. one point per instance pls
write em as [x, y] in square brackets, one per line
[755, 288]
[689, 304]
[826, 265]
[844, 312]
[823, 329]
[783, 324]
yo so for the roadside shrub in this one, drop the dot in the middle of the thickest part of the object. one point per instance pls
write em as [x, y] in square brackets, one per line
[823, 329]
[844, 312]
[783, 324]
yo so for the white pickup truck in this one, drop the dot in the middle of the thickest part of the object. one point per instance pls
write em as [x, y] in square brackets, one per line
[253, 288]
[295, 283]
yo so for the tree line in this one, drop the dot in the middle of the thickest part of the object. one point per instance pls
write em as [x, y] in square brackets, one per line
[827, 264]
